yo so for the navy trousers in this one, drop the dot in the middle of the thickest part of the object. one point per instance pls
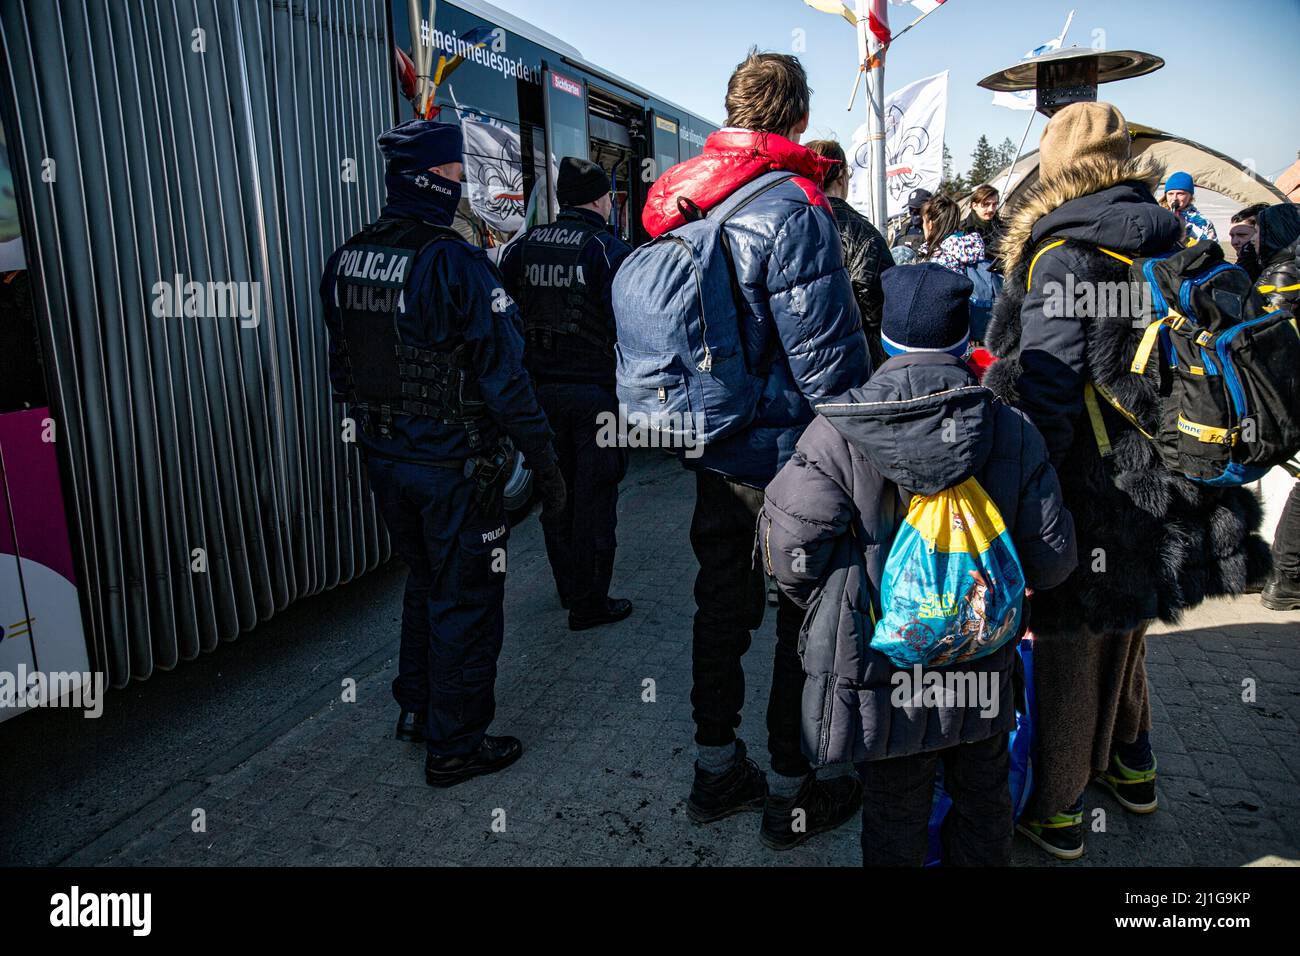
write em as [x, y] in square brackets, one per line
[452, 615]
[580, 545]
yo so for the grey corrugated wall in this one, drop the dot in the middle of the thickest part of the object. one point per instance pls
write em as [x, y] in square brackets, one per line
[221, 165]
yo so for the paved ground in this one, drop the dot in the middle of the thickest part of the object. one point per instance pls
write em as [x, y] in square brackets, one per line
[286, 772]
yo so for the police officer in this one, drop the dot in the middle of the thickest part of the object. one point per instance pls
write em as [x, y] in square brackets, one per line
[426, 348]
[907, 231]
[561, 274]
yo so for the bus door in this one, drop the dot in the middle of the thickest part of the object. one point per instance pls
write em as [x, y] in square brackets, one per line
[565, 105]
[610, 119]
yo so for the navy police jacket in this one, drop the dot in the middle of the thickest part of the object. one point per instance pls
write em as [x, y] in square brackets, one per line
[453, 296]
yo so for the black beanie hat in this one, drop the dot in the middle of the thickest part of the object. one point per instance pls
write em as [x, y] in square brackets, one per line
[927, 309]
[580, 182]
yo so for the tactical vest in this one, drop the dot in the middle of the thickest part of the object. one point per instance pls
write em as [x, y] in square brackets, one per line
[384, 375]
[557, 296]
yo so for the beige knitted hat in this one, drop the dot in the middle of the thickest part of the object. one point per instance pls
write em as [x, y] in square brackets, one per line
[1081, 131]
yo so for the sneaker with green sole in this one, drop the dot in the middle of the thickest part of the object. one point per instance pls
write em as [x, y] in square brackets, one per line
[1134, 789]
[1060, 835]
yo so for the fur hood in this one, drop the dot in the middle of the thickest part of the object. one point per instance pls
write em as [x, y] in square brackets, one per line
[1046, 196]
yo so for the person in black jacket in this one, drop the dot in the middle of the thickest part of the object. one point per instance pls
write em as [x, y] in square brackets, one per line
[920, 425]
[562, 274]
[1152, 543]
[866, 254]
[1278, 241]
[984, 219]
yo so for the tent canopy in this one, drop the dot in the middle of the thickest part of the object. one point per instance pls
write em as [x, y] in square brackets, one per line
[1223, 185]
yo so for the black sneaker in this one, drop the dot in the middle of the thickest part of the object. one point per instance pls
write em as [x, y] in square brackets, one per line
[1134, 789]
[410, 727]
[1281, 593]
[826, 804]
[1060, 835]
[615, 609]
[495, 753]
[717, 795]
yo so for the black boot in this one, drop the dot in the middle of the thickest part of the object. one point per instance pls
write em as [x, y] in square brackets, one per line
[599, 608]
[1282, 593]
[825, 804]
[410, 726]
[615, 609]
[493, 754]
[717, 795]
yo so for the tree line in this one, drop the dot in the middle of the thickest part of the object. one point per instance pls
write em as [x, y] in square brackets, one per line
[985, 161]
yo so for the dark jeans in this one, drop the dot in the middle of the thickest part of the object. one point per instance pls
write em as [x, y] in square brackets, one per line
[897, 794]
[581, 544]
[730, 598]
[452, 619]
[1286, 540]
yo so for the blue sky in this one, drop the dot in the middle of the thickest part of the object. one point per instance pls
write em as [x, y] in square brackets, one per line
[1232, 66]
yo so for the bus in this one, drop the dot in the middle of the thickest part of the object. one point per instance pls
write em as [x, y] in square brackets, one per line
[173, 467]
[524, 99]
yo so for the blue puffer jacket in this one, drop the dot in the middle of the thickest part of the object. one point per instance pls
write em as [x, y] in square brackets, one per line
[829, 521]
[802, 315]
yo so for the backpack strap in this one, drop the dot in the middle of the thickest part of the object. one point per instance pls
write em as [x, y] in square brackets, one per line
[1092, 389]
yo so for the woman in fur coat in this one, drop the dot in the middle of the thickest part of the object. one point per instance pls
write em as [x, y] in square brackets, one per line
[1151, 543]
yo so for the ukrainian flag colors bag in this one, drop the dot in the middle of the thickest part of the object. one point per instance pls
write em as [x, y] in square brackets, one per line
[953, 587]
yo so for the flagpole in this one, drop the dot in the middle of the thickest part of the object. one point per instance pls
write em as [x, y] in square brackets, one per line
[870, 50]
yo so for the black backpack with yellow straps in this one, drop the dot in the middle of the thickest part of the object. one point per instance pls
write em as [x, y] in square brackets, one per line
[1226, 369]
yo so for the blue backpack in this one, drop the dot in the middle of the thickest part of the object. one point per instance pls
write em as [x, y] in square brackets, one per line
[988, 286]
[953, 587]
[678, 309]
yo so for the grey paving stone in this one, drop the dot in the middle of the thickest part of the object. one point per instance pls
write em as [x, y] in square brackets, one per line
[604, 774]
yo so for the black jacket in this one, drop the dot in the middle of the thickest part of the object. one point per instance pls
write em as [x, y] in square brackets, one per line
[570, 359]
[866, 257]
[1279, 254]
[1151, 543]
[829, 521]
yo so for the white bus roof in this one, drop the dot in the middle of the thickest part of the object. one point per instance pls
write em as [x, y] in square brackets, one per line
[529, 32]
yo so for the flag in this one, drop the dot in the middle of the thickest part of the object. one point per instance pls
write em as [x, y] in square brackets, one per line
[914, 126]
[925, 6]
[878, 21]
[1028, 99]
[494, 172]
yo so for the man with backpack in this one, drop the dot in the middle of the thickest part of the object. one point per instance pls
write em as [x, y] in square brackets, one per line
[1152, 542]
[920, 446]
[561, 274]
[774, 327]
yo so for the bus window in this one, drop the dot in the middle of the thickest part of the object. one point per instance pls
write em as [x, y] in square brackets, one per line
[566, 114]
[665, 142]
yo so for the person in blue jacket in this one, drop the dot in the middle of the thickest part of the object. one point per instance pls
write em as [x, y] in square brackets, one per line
[561, 274]
[426, 349]
[803, 334]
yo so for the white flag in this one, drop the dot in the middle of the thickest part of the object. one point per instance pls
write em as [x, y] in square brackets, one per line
[1028, 99]
[914, 121]
[925, 6]
[494, 173]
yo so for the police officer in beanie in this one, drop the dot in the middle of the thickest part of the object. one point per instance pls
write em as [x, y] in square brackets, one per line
[426, 348]
[561, 274]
